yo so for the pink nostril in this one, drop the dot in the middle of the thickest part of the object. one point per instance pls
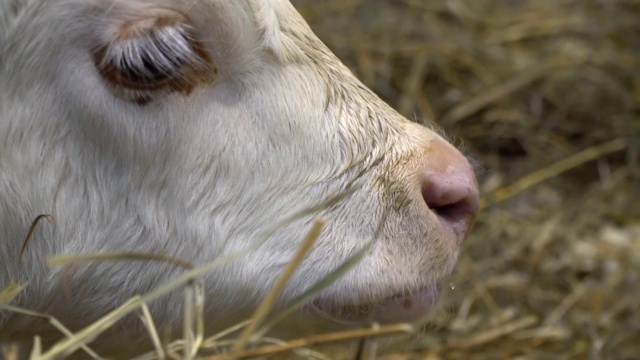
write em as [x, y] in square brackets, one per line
[453, 196]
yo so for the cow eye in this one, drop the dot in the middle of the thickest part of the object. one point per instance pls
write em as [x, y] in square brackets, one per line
[153, 55]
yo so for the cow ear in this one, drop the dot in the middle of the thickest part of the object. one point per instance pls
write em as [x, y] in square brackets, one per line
[152, 51]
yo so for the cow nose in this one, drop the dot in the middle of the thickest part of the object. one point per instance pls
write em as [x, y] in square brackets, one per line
[449, 188]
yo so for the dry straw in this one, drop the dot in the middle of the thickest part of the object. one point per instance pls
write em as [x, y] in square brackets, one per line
[546, 95]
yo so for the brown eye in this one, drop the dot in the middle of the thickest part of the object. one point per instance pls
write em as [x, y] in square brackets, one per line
[152, 54]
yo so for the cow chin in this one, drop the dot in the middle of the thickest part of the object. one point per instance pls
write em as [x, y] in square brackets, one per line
[403, 306]
[397, 280]
[388, 286]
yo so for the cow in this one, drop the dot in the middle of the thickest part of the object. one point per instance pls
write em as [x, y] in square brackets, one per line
[191, 128]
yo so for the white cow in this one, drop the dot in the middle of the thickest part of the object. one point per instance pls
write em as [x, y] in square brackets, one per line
[188, 128]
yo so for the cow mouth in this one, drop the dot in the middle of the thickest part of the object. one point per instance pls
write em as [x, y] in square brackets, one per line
[400, 307]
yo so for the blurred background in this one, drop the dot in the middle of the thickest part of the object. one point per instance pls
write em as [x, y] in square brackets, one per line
[544, 95]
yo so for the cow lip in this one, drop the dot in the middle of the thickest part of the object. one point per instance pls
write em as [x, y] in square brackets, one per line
[396, 308]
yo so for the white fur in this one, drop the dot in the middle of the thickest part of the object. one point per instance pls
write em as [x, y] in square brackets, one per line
[282, 127]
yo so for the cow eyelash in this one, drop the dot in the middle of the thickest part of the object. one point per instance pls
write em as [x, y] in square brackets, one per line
[162, 60]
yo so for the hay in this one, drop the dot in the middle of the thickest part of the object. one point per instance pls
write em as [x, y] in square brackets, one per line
[545, 95]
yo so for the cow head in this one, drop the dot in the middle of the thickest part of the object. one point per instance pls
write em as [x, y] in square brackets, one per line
[191, 129]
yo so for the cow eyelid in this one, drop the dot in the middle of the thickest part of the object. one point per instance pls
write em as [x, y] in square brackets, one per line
[166, 52]
[166, 58]
[149, 58]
